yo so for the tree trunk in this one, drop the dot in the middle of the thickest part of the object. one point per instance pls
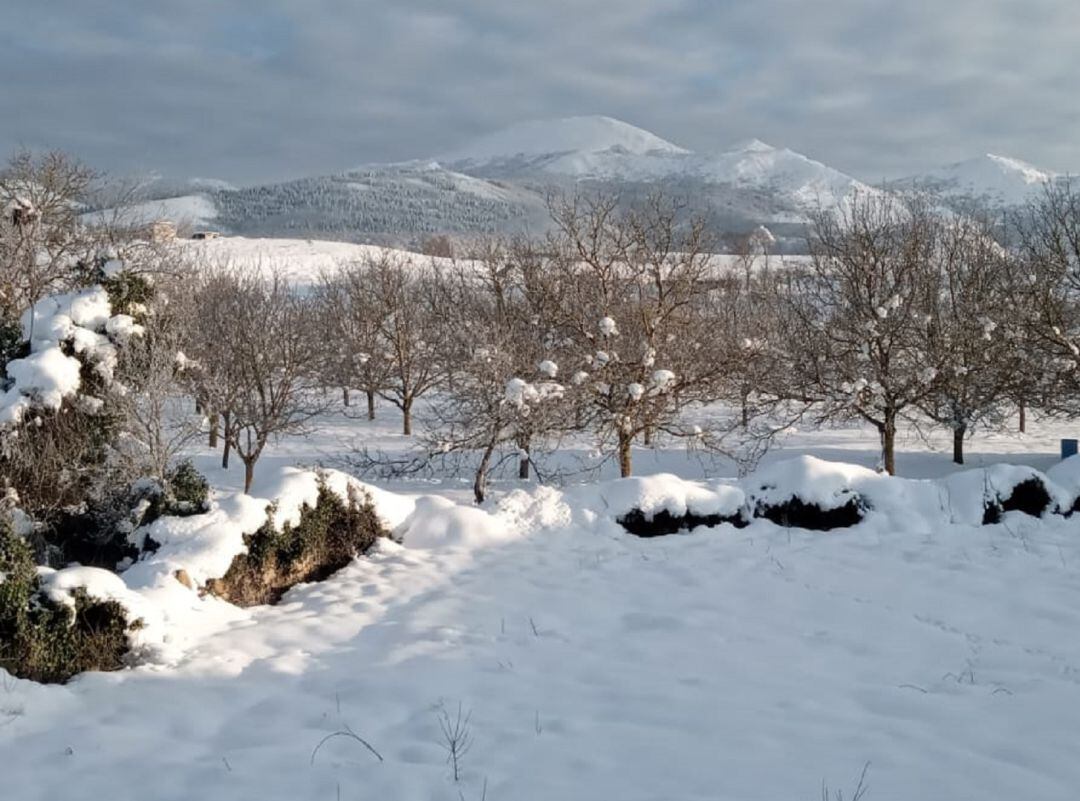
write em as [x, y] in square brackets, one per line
[345, 396]
[213, 430]
[227, 436]
[523, 463]
[888, 443]
[480, 481]
[958, 443]
[249, 474]
[626, 462]
[406, 418]
[1023, 418]
[647, 436]
[370, 405]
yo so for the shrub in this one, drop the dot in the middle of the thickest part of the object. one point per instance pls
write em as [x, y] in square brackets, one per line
[662, 523]
[327, 538]
[11, 344]
[796, 513]
[187, 492]
[97, 532]
[48, 642]
[1030, 497]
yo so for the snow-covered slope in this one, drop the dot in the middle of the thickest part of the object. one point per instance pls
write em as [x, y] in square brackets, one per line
[195, 211]
[600, 149]
[998, 179]
[301, 261]
[540, 139]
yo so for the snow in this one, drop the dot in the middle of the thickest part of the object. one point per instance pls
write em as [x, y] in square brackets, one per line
[47, 376]
[1066, 475]
[759, 662]
[723, 663]
[193, 210]
[302, 261]
[546, 137]
[1002, 179]
[663, 379]
[971, 491]
[548, 368]
[601, 148]
[651, 495]
[608, 327]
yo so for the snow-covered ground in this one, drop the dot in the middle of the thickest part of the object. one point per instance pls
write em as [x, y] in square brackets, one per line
[727, 663]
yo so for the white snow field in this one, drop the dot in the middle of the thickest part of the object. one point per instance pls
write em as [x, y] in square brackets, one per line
[725, 663]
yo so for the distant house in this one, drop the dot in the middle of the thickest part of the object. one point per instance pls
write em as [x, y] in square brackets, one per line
[21, 211]
[161, 231]
[205, 235]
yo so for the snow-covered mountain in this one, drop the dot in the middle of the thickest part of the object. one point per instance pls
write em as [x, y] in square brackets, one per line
[498, 183]
[541, 140]
[601, 149]
[991, 178]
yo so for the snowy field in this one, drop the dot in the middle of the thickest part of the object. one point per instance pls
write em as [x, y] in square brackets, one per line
[726, 663]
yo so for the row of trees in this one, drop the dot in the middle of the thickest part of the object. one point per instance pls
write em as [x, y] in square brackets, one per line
[621, 323]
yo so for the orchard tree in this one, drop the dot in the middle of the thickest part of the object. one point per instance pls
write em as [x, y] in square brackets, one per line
[500, 355]
[1049, 283]
[402, 294]
[634, 288]
[972, 332]
[854, 318]
[355, 353]
[259, 358]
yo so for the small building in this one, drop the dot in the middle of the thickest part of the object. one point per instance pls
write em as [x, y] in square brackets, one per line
[21, 212]
[205, 235]
[161, 231]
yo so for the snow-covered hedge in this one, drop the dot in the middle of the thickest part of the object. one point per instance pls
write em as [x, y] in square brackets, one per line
[814, 494]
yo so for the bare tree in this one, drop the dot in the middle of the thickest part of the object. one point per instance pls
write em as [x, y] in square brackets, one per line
[500, 359]
[402, 293]
[156, 419]
[635, 289]
[41, 239]
[263, 370]
[972, 332]
[854, 319]
[1049, 283]
[355, 354]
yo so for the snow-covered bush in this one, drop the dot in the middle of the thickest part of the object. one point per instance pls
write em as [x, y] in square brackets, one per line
[325, 539]
[984, 495]
[809, 493]
[47, 637]
[1066, 475]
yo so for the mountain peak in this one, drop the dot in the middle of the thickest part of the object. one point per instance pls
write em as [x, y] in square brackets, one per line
[1002, 179]
[588, 134]
[752, 146]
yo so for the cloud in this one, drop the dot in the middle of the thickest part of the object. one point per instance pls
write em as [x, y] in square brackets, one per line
[254, 91]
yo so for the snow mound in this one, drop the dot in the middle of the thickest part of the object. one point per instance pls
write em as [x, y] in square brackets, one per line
[437, 523]
[813, 481]
[587, 134]
[664, 492]
[1066, 475]
[981, 496]
[59, 586]
[202, 547]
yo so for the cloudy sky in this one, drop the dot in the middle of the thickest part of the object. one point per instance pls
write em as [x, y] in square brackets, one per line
[269, 89]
